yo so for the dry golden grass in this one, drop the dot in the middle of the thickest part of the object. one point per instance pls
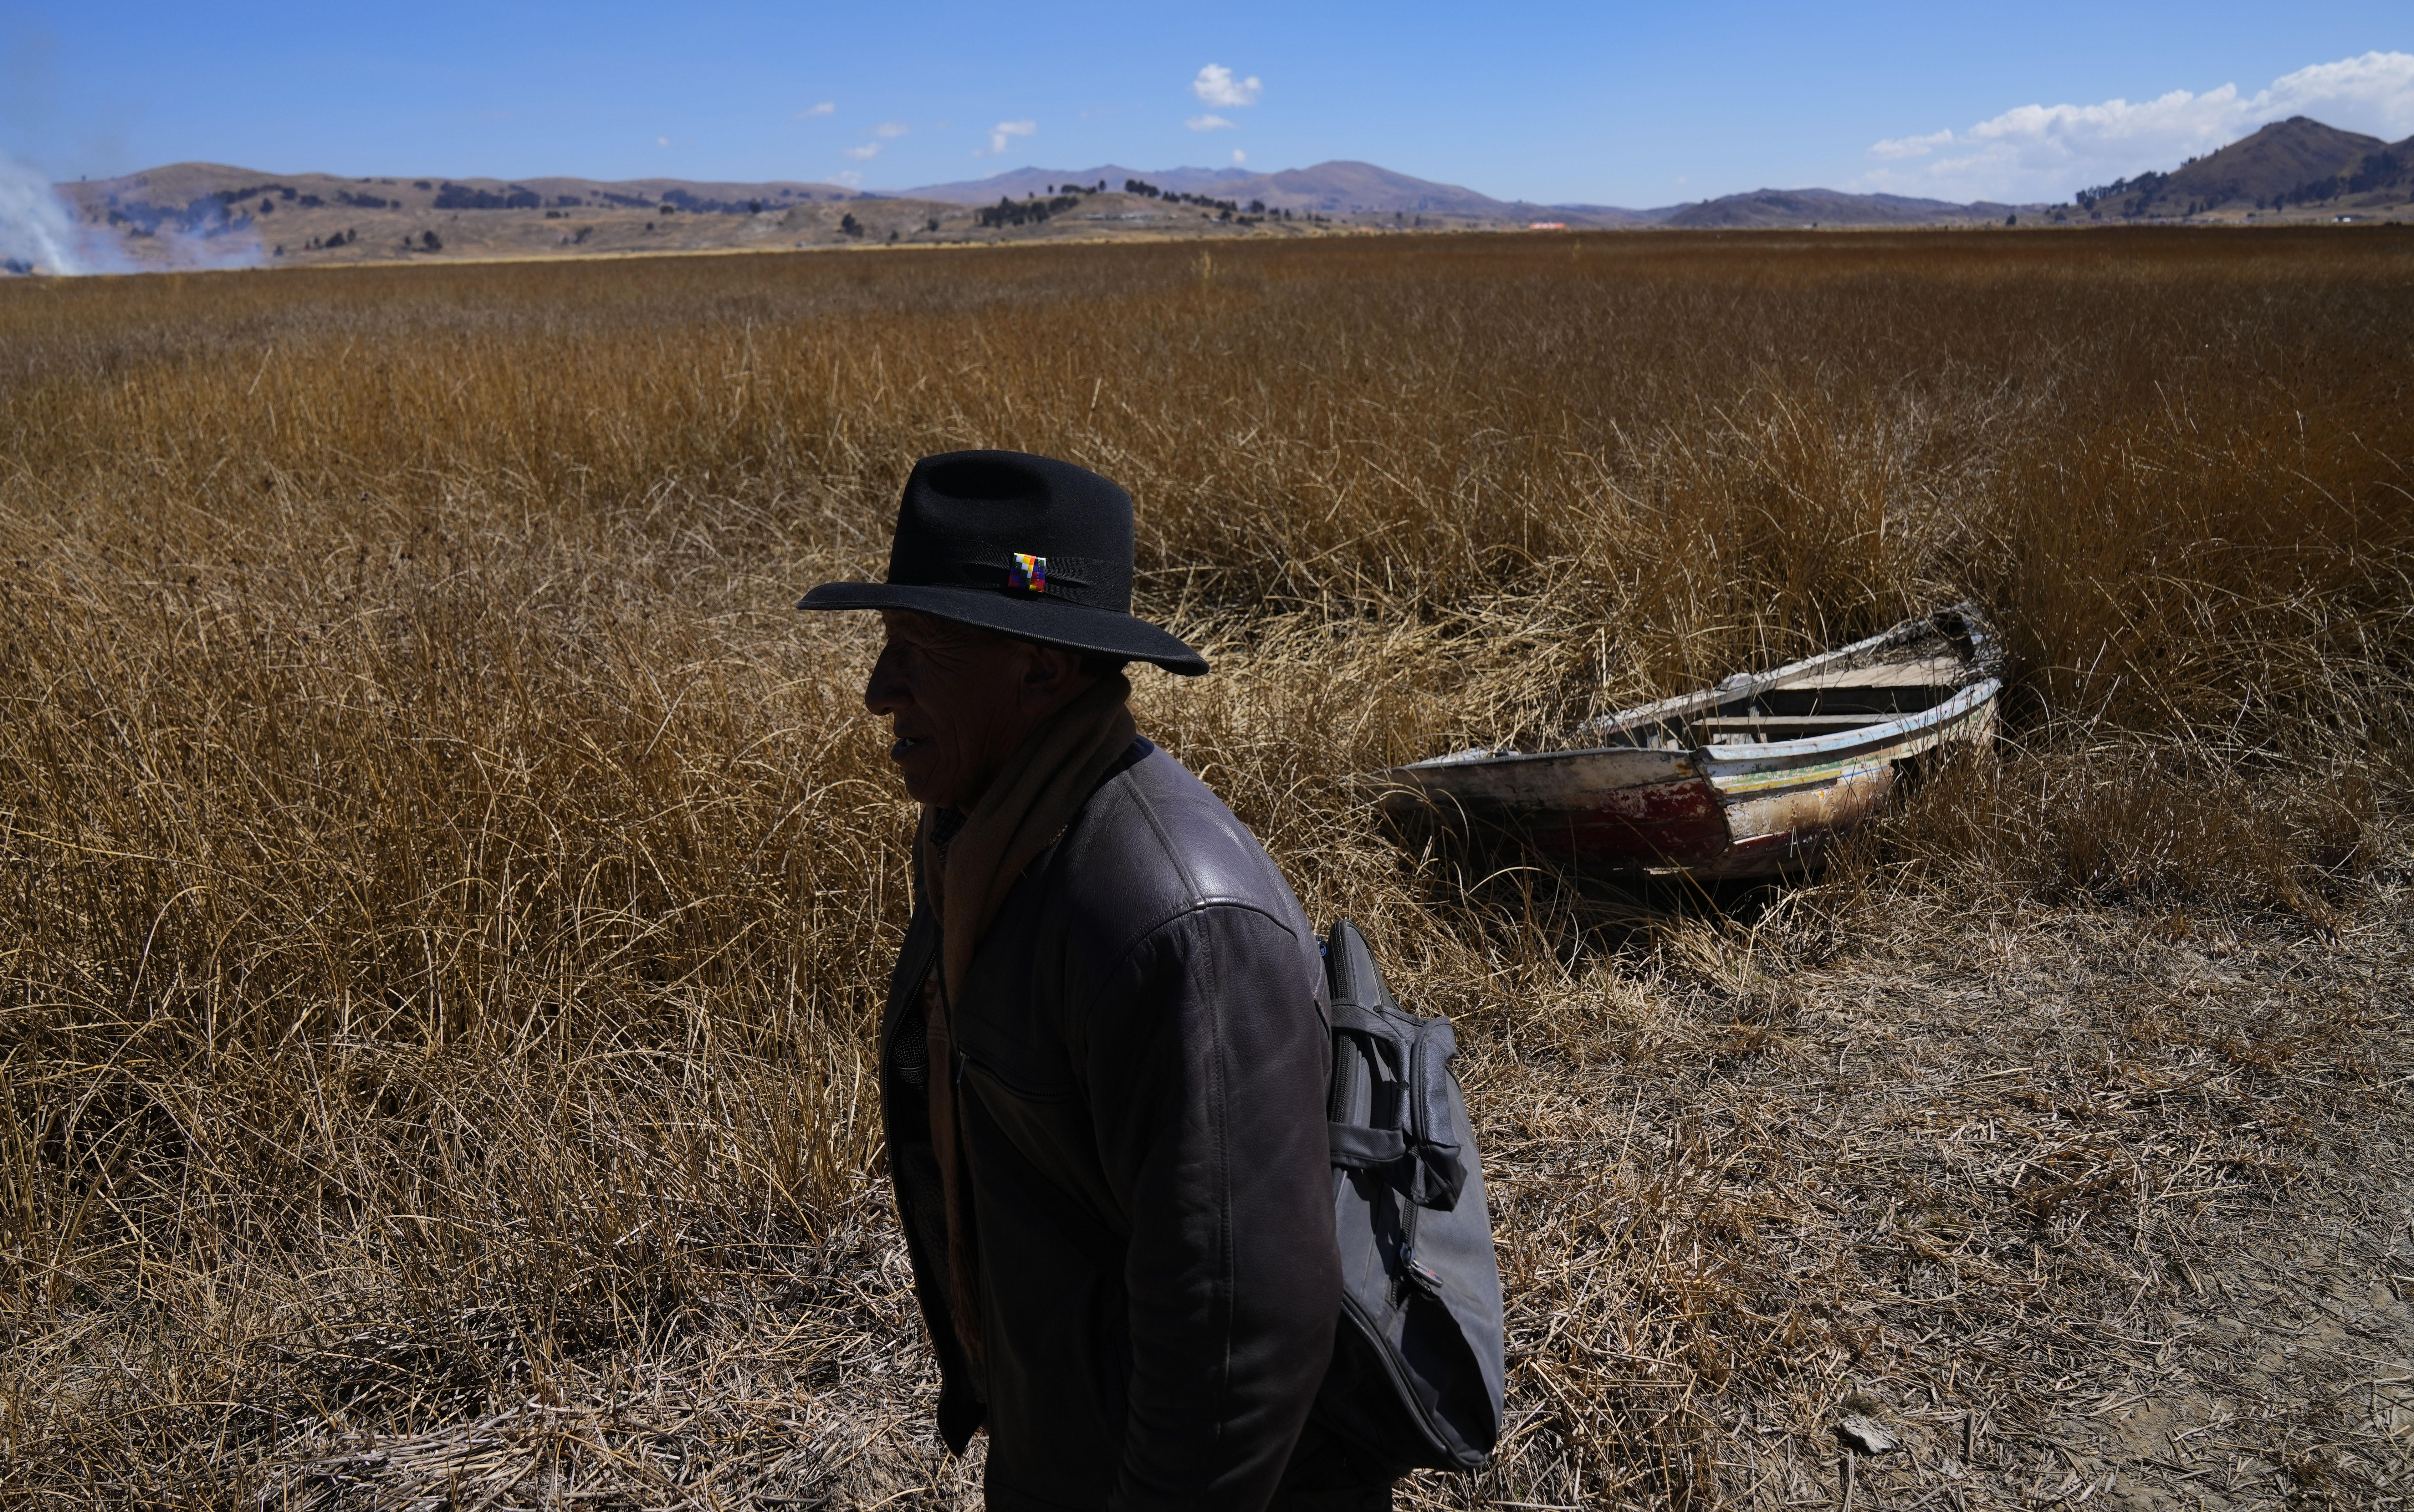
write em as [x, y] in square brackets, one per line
[448, 891]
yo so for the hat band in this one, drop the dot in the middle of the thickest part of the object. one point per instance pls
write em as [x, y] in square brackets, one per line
[1016, 575]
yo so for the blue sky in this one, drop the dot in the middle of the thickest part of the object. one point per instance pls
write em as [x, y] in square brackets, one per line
[1601, 103]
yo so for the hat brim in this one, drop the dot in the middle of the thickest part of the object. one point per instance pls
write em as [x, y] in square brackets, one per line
[1043, 621]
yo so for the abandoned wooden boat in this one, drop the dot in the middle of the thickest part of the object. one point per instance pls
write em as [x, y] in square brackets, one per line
[1748, 778]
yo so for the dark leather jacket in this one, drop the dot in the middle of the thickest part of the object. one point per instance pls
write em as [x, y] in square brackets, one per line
[1142, 1060]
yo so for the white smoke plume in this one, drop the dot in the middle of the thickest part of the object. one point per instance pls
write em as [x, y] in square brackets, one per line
[221, 243]
[37, 231]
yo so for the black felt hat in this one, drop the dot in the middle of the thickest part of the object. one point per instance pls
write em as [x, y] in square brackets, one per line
[1029, 546]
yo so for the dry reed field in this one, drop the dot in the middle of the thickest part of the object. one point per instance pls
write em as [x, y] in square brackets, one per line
[445, 891]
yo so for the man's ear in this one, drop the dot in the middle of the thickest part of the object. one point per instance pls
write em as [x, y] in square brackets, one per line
[1051, 675]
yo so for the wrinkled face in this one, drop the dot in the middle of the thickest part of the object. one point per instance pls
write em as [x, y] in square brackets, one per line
[960, 700]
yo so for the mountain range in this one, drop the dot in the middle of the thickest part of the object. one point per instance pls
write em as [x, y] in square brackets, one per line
[2298, 168]
[186, 213]
[217, 214]
[1352, 188]
[188, 197]
[1336, 188]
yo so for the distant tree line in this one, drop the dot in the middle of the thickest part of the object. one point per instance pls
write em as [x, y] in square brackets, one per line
[1149, 191]
[698, 205]
[1029, 212]
[461, 197]
[2145, 186]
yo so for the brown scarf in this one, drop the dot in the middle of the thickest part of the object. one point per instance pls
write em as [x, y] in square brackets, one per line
[1029, 803]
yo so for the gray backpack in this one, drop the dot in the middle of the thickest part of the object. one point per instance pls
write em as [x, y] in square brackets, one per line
[1416, 1360]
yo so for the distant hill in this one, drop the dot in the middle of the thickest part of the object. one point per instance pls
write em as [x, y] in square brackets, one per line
[1776, 208]
[178, 185]
[1022, 183]
[188, 214]
[1337, 188]
[1602, 216]
[2293, 164]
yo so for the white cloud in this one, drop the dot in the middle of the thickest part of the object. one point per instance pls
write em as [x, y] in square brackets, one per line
[887, 131]
[1211, 123]
[1238, 157]
[824, 108]
[1004, 131]
[2049, 152]
[1912, 147]
[1215, 85]
[662, 141]
[850, 178]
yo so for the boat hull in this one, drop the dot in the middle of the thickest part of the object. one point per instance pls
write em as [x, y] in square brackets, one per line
[1713, 811]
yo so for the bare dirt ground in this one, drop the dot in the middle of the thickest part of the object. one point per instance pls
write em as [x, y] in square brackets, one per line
[1841, 1179]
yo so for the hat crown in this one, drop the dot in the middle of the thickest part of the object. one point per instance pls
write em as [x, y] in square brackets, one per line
[969, 518]
[1025, 545]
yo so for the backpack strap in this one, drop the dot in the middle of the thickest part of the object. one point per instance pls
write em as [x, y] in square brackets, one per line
[1417, 1053]
[1358, 1148]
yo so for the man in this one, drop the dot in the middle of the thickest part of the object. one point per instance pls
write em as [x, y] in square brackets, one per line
[1105, 1054]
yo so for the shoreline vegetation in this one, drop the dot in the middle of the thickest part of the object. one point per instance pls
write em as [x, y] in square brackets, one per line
[448, 890]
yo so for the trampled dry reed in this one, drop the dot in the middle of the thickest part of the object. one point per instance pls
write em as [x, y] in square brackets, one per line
[447, 889]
